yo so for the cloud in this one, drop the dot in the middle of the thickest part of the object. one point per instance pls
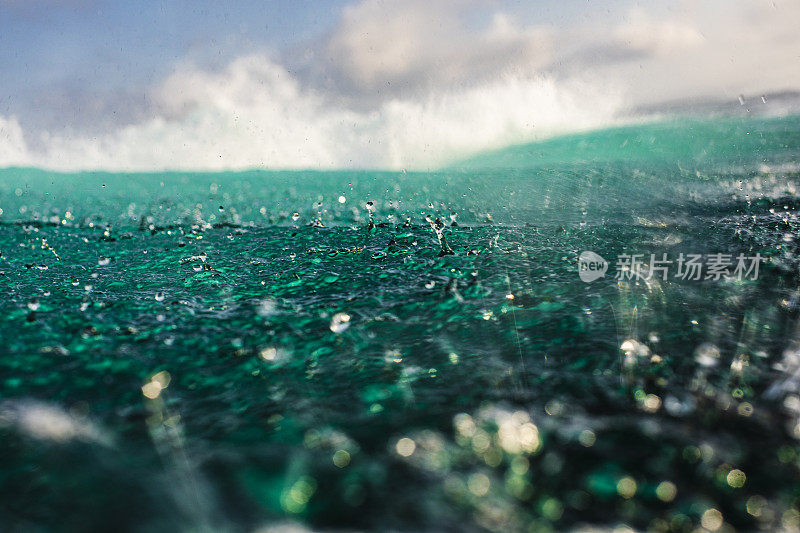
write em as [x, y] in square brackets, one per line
[650, 37]
[382, 49]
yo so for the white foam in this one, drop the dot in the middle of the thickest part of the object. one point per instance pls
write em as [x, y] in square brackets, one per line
[49, 422]
[255, 114]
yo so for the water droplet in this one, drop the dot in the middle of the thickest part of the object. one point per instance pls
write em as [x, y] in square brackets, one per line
[103, 261]
[221, 209]
[342, 199]
[197, 268]
[269, 353]
[295, 216]
[707, 355]
[340, 322]
[159, 296]
[33, 305]
[267, 308]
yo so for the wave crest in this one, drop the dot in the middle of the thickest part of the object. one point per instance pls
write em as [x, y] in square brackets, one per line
[255, 114]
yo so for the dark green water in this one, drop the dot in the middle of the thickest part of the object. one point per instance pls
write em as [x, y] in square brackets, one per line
[241, 351]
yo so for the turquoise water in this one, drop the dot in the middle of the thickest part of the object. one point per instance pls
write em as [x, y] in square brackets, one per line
[244, 350]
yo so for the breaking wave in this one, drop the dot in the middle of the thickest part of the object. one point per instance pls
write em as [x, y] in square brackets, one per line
[255, 114]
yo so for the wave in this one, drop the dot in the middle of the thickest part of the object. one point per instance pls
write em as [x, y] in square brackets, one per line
[255, 114]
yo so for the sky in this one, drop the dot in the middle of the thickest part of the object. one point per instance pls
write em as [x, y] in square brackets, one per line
[150, 85]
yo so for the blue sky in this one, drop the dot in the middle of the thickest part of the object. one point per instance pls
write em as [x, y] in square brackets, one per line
[82, 77]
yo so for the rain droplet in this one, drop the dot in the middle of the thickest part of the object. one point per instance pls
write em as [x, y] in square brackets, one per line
[342, 199]
[707, 355]
[340, 322]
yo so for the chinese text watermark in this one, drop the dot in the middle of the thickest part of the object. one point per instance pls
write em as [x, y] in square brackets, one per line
[693, 267]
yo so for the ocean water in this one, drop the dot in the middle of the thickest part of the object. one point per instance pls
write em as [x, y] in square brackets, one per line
[409, 351]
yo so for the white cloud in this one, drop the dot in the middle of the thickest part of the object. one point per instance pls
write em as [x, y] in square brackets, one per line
[419, 44]
[642, 33]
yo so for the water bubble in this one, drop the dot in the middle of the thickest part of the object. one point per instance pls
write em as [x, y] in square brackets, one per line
[707, 355]
[221, 209]
[405, 447]
[33, 305]
[342, 199]
[159, 296]
[268, 354]
[340, 322]
[103, 261]
[267, 307]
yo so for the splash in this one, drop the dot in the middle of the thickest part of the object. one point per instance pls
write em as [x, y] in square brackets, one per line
[255, 114]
